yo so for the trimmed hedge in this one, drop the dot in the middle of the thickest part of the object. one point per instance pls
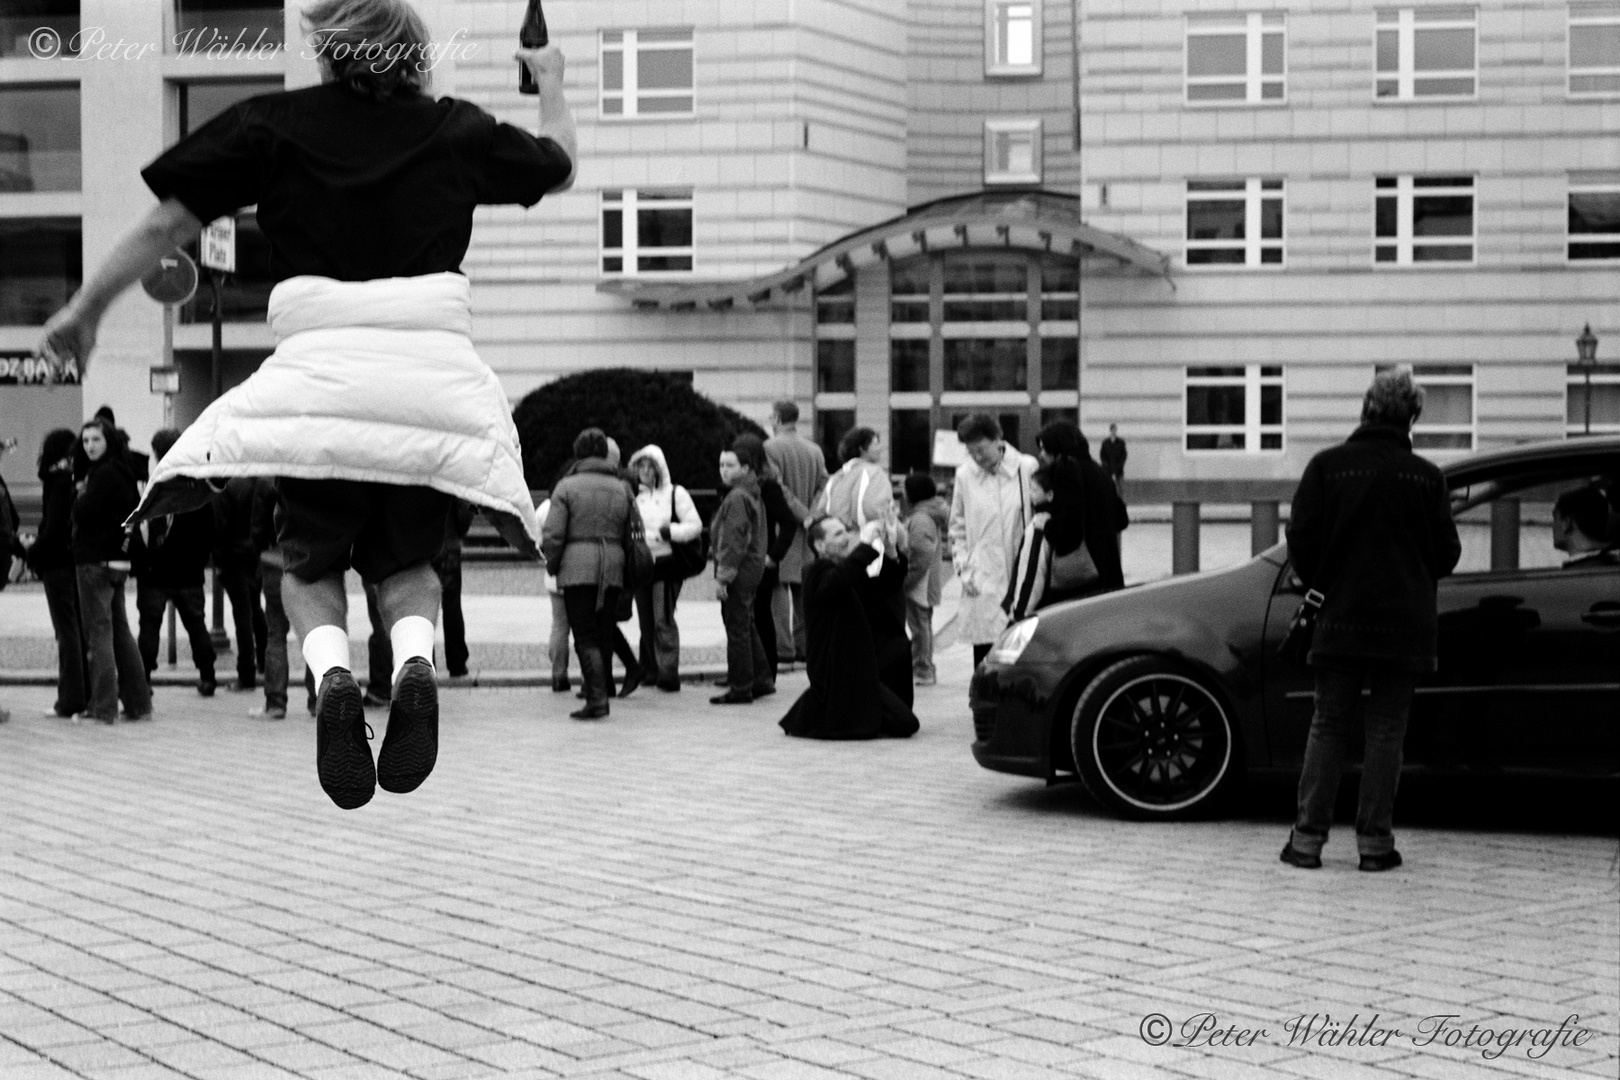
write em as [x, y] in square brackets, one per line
[635, 408]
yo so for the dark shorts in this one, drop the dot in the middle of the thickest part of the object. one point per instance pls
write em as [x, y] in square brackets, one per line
[378, 529]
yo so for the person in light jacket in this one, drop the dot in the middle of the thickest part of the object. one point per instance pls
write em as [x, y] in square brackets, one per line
[990, 508]
[1371, 530]
[802, 468]
[859, 491]
[669, 517]
[583, 541]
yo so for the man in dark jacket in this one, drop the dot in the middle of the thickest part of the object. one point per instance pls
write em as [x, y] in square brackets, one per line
[1371, 530]
[448, 567]
[740, 533]
[177, 550]
[51, 558]
[237, 562]
[1113, 454]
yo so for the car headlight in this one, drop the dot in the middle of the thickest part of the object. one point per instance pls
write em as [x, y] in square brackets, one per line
[1010, 646]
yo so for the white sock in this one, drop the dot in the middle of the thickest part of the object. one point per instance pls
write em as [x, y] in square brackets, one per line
[411, 636]
[325, 648]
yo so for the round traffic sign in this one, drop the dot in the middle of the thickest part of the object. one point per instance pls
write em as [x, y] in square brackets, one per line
[174, 281]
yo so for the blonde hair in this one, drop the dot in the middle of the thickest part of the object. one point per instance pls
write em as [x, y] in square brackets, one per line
[378, 48]
[1394, 398]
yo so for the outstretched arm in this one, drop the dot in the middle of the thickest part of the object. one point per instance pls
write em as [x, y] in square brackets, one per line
[556, 118]
[71, 333]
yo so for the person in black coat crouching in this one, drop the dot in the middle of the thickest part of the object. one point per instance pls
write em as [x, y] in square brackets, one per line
[1371, 530]
[177, 550]
[847, 698]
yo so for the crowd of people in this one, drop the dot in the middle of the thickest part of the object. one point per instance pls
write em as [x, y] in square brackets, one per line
[835, 570]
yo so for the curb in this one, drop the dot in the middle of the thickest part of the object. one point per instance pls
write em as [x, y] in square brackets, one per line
[474, 680]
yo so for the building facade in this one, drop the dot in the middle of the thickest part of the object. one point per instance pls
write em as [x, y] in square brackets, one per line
[1206, 221]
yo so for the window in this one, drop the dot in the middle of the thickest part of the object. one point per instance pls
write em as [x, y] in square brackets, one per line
[1060, 363]
[1012, 151]
[1593, 400]
[835, 366]
[831, 427]
[1235, 408]
[1594, 48]
[1594, 218]
[1235, 222]
[986, 364]
[250, 26]
[200, 102]
[42, 28]
[908, 365]
[41, 265]
[911, 440]
[1420, 219]
[647, 73]
[646, 232]
[1447, 422]
[986, 289]
[835, 304]
[1012, 37]
[909, 282]
[1425, 53]
[39, 138]
[1236, 58]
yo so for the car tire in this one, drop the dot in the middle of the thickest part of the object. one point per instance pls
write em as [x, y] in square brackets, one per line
[1152, 740]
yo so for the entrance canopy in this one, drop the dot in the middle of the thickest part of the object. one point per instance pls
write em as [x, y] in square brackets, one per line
[1039, 220]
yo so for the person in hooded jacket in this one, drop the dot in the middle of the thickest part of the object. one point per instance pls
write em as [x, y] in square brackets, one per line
[177, 548]
[669, 517]
[101, 558]
[51, 557]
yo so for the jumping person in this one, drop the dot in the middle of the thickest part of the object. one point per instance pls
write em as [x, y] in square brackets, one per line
[374, 410]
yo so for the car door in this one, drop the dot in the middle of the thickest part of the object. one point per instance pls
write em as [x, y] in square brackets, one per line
[1529, 652]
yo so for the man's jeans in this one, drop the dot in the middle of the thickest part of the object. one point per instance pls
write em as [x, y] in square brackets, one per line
[448, 567]
[746, 664]
[276, 628]
[660, 637]
[151, 601]
[116, 671]
[1384, 716]
[62, 598]
[787, 605]
[239, 576]
[558, 646]
[920, 621]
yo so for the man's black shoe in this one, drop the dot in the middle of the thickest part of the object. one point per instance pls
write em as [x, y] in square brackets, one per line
[411, 745]
[671, 686]
[764, 690]
[342, 753]
[561, 686]
[632, 679]
[206, 686]
[590, 712]
[731, 697]
[1293, 857]
[1375, 863]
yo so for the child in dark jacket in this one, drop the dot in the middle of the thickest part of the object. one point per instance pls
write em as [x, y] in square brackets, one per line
[740, 535]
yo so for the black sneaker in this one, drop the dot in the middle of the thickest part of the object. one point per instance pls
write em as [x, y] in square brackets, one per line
[1295, 857]
[342, 753]
[1375, 863]
[411, 745]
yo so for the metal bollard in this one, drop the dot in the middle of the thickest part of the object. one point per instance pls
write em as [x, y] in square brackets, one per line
[1184, 538]
[1505, 534]
[1263, 522]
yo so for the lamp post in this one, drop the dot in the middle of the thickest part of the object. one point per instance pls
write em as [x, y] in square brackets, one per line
[1586, 349]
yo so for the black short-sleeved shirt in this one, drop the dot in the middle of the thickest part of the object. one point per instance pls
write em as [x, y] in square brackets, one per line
[355, 189]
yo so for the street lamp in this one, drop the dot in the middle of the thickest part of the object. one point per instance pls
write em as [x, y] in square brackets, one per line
[1586, 349]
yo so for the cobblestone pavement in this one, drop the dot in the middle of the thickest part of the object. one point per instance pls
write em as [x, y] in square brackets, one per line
[681, 893]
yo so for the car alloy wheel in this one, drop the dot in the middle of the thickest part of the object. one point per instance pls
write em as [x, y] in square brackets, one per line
[1151, 740]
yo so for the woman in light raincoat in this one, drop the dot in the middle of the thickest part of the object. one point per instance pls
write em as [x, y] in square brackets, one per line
[990, 508]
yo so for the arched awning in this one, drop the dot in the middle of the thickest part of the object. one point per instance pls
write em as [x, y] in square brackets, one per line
[1027, 220]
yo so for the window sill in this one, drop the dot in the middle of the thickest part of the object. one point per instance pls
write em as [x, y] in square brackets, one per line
[643, 118]
[1428, 99]
[1011, 71]
[1266, 103]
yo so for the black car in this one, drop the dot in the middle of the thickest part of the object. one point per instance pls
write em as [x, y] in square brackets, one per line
[1162, 697]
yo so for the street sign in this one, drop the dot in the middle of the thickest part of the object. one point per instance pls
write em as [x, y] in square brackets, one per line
[218, 245]
[948, 450]
[174, 281]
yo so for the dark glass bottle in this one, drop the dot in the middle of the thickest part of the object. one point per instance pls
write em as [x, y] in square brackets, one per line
[531, 35]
